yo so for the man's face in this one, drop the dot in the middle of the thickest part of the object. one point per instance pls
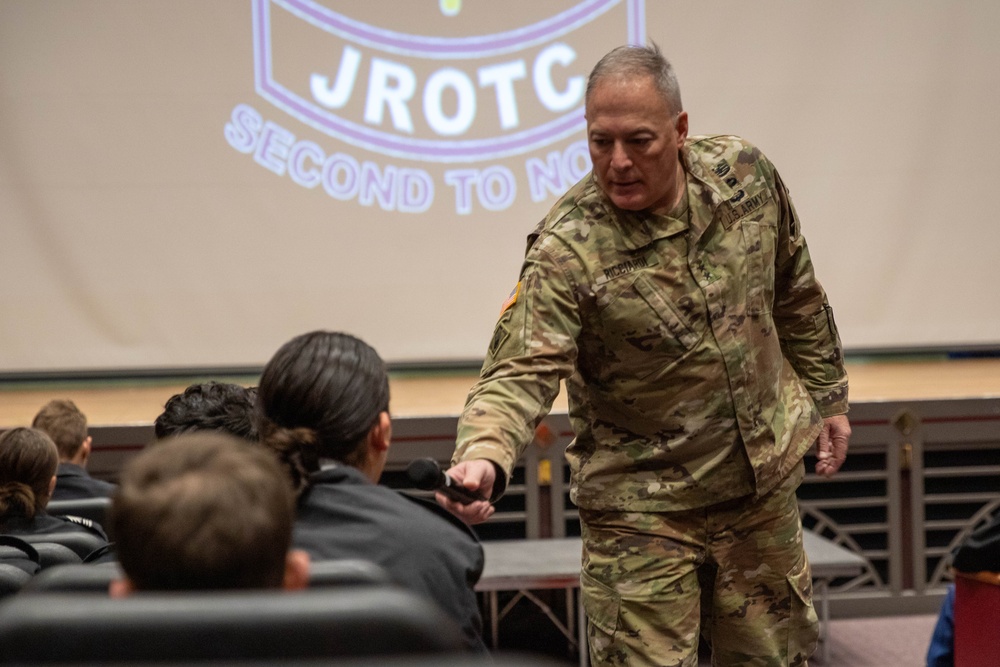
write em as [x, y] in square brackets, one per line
[635, 143]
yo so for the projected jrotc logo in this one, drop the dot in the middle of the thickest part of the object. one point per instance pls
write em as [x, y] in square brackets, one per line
[470, 109]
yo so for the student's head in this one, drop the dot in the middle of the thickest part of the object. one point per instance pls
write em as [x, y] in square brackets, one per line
[325, 395]
[210, 406]
[28, 462]
[67, 426]
[205, 511]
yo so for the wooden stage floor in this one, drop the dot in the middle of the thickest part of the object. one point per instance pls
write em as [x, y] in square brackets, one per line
[439, 393]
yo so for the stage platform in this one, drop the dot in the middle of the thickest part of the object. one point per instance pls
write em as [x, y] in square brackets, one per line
[136, 402]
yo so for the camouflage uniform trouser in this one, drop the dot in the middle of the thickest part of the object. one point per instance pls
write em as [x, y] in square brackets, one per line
[735, 571]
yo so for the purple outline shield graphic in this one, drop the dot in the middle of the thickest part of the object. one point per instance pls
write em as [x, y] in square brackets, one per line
[461, 49]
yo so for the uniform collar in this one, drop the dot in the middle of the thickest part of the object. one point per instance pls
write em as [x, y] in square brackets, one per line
[66, 469]
[707, 190]
[339, 473]
[640, 228]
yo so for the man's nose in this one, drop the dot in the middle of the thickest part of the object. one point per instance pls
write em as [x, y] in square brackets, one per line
[620, 159]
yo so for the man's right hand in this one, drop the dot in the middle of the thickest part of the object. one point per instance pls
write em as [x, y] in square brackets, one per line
[477, 475]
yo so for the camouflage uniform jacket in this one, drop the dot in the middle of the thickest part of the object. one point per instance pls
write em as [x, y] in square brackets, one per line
[699, 351]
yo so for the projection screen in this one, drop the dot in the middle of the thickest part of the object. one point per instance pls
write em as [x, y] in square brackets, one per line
[188, 184]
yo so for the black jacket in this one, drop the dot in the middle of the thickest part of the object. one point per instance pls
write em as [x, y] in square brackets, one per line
[45, 524]
[344, 515]
[73, 483]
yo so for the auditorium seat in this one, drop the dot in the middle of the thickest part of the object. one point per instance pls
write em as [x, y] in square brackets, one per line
[79, 578]
[12, 579]
[95, 509]
[15, 551]
[80, 543]
[19, 561]
[977, 619]
[246, 626]
[95, 578]
[40, 550]
[51, 554]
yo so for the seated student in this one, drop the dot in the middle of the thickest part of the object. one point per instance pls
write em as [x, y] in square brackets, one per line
[210, 406]
[979, 552]
[324, 403]
[28, 462]
[67, 426]
[204, 511]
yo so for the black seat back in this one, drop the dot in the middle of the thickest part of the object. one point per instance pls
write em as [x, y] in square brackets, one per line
[12, 579]
[19, 561]
[79, 542]
[81, 578]
[95, 578]
[51, 554]
[260, 625]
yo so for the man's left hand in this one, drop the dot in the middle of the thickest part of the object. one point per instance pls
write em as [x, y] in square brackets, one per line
[831, 446]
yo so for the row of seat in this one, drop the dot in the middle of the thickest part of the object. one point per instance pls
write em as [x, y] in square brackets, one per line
[64, 615]
[96, 577]
[259, 625]
[22, 556]
[56, 610]
[60, 613]
[64, 561]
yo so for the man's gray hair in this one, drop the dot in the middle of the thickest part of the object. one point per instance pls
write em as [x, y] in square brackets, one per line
[632, 60]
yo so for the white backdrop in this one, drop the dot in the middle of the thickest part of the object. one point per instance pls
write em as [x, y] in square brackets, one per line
[183, 184]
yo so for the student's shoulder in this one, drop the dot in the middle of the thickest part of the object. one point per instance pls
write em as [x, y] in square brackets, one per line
[435, 514]
[68, 523]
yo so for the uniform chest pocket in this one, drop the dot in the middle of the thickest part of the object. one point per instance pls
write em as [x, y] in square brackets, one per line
[759, 240]
[644, 329]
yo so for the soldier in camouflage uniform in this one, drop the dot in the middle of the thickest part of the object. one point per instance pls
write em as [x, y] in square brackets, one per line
[673, 291]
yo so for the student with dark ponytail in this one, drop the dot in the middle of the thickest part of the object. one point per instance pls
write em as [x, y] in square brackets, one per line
[28, 462]
[324, 403]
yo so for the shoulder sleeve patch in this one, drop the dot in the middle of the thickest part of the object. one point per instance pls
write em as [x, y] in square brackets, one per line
[512, 299]
[500, 335]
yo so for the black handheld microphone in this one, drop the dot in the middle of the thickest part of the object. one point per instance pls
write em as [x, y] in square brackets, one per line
[427, 475]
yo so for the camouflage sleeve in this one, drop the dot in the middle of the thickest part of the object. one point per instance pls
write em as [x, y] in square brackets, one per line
[803, 317]
[533, 348]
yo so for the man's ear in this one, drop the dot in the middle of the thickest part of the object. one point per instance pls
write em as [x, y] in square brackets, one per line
[682, 128]
[52, 485]
[296, 570]
[121, 588]
[83, 454]
[381, 434]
